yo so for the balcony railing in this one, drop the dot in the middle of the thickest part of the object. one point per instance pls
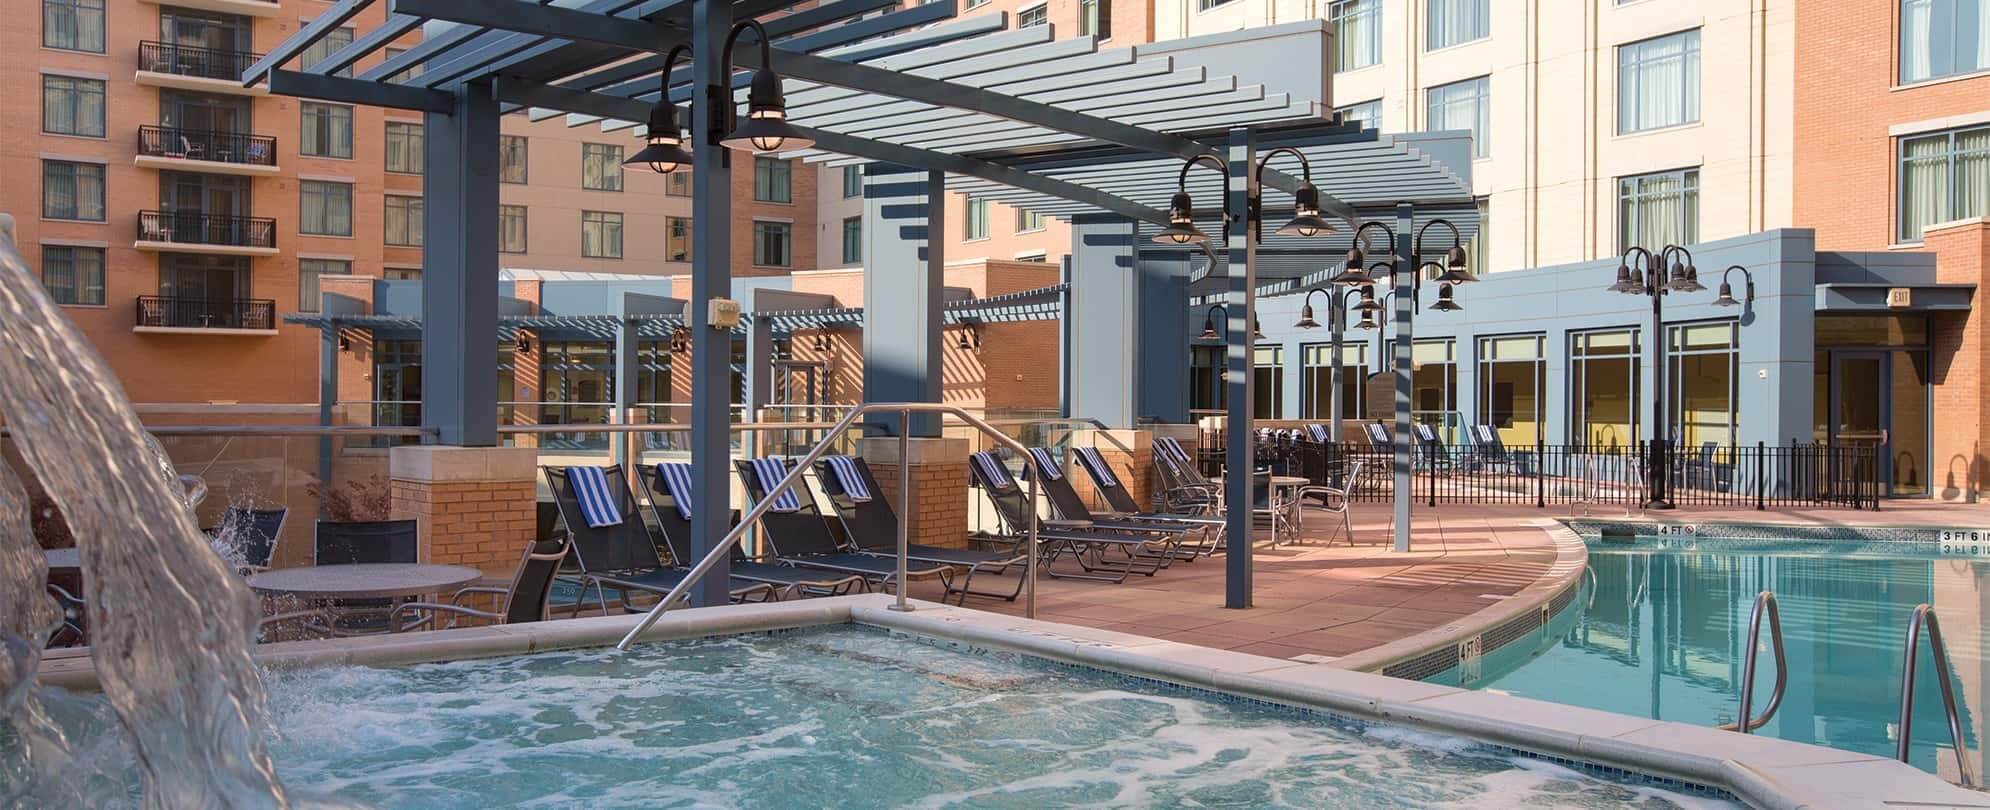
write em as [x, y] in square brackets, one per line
[207, 144]
[188, 60]
[195, 228]
[206, 313]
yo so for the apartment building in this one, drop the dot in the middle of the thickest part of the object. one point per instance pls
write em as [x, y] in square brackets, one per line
[178, 217]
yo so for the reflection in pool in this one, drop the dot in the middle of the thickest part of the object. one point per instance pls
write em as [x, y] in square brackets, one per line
[1660, 626]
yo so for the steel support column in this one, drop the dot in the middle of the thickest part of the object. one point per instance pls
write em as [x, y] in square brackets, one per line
[459, 269]
[711, 277]
[1239, 460]
[904, 220]
[759, 365]
[1405, 302]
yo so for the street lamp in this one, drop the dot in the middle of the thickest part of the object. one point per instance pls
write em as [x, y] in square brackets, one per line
[766, 128]
[1726, 297]
[665, 151]
[1641, 272]
[1339, 300]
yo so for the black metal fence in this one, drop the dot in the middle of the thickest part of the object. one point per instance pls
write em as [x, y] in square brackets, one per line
[189, 60]
[206, 144]
[196, 228]
[1758, 477]
[206, 313]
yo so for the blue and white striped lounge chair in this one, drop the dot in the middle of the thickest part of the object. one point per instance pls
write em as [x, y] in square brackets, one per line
[872, 527]
[799, 533]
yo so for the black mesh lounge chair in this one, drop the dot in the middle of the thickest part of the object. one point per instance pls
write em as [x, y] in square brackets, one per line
[525, 601]
[1436, 454]
[1184, 490]
[1043, 466]
[622, 557]
[873, 529]
[253, 532]
[1084, 543]
[676, 525]
[1125, 506]
[799, 533]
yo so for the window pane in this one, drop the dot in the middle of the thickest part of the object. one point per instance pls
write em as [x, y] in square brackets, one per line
[308, 273]
[770, 243]
[403, 220]
[1451, 22]
[73, 275]
[511, 229]
[601, 167]
[325, 208]
[1034, 15]
[853, 181]
[677, 244]
[72, 190]
[853, 240]
[1943, 177]
[511, 158]
[72, 106]
[1357, 33]
[1367, 114]
[330, 43]
[327, 130]
[1463, 105]
[1941, 38]
[404, 147]
[1655, 210]
[1658, 82]
[772, 181]
[601, 234]
[975, 224]
[73, 25]
[678, 184]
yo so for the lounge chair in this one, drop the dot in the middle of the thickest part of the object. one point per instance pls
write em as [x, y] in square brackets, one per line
[669, 486]
[1492, 451]
[799, 533]
[1083, 542]
[525, 601]
[872, 527]
[253, 532]
[1123, 504]
[1063, 498]
[609, 544]
[1436, 455]
[1378, 435]
[1183, 488]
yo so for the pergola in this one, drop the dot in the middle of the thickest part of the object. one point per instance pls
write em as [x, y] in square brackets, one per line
[929, 105]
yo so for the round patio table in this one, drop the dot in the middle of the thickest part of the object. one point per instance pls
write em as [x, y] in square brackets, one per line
[364, 580]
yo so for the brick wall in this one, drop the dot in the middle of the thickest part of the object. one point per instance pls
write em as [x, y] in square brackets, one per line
[1961, 355]
[480, 524]
[939, 501]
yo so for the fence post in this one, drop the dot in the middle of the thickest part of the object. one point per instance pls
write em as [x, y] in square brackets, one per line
[1880, 454]
[1430, 466]
[1540, 471]
[1761, 476]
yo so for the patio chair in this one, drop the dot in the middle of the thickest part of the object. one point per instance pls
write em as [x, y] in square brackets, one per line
[1084, 543]
[1064, 499]
[872, 526]
[1183, 488]
[1436, 455]
[799, 533]
[253, 532]
[364, 541]
[1124, 505]
[1491, 450]
[1336, 500]
[1378, 435]
[619, 555]
[669, 486]
[527, 599]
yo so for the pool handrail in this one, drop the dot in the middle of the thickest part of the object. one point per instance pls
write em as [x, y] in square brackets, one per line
[1765, 602]
[1925, 614]
[793, 478]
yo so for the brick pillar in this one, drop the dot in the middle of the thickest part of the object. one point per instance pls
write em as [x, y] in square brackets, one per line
[476, 506]
[939, 486]
[1961, 356]
[1130, 454]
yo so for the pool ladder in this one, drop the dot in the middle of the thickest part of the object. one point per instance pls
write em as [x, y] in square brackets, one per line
[1925, 614]
[1765, 604]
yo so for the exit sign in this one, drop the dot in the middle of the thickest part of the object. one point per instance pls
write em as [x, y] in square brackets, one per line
[1900, 297]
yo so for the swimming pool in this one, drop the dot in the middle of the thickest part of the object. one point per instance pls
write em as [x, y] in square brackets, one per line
[1660, 626]
[856, 717]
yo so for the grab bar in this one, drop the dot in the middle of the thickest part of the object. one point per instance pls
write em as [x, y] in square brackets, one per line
[1765, 602]
[793, 478]
[1926, 613]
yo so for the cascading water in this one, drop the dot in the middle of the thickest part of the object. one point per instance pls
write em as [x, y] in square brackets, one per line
[170, 625]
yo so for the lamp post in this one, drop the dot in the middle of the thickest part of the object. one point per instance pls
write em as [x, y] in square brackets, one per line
[1243, 219]
[1649, 278]
[1339, 300]
[1407, 285]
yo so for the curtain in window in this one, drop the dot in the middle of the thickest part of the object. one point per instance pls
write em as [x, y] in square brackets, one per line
[511, 229]
[72, 191]
[72, 106]
[327, 131]
[1659, 209]
[1924, 185]
[1658, 82]
[73, 25]
[1463, 105]
[1972, 174]
[1357, 33]
[1450, 22]
[326, 209]
[1943, 38]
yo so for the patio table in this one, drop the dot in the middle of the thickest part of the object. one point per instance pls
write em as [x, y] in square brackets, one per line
[1290, 483]
[63, 560]
[364, 580]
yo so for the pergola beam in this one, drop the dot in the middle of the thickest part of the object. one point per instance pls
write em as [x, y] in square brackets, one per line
[360, 91]
[331, 18]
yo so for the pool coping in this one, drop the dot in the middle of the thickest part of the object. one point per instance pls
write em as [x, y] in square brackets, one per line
[1766, 527]
[1440, 648]
[1760, 771]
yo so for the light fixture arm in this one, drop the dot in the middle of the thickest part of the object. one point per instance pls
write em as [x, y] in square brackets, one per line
[1748, 281]
[1456, 239]
[1209, 321]
[1642, 268]
[1360, 249]
[731, 117]
[1181, 179]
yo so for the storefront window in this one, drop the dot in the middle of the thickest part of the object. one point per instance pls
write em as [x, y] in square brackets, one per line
[576, 386]
[1705, 363]
[1511, 376]
[1268, 381]
[1434, 385]
[1604, 383]
[1205, 379]
[1319, 377]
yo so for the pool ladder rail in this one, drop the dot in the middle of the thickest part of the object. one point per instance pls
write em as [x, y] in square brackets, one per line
[1765, 604]
[1924, 614]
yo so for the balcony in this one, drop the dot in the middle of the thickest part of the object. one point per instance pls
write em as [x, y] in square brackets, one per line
[186, 67]
[200, 150]
[206, 316]
[247, 8]
[195, 232]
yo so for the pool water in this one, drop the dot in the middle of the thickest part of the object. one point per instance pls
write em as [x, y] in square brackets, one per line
[1660, 627]
[852, 717]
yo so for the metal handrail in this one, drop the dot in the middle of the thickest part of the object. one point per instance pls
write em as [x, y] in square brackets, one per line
[275, 430]
[1926, 613]
[793, 478]
[1765, 602]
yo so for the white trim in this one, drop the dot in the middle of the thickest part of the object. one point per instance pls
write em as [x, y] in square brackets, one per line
[1959, 77]
[328, 178]
[82, 243]
[782, 220]
[327, 257]
[101, 161]
[1931, 125]
[77, 74]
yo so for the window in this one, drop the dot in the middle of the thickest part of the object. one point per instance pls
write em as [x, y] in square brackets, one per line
[1658, 82]
[404, 220]
[72, 106]
[770, 243]
[1318, 376]
[1654, 210]
[1479, 258]
[511, 229]
[73, 25]
[73, 275]
[72, 190]
[1027, 221]
[1455, 22]
[1205, 5]
[1207, 376]
[326, 208]
[972, 3]
[404, 147]
[853, 240]
[1704, 378]
[773, 180]
[677, 184]
[1605, 379]
[410, 73]
[402, 274]
[1943, 177]
[1511, 378]
[1357, 33]
[511, 158]
[327, 130]
[1943, 38]
[1433, 384]
[601, 166]
[601, 234]
[1095, 19]
[677, 243]
[1367, 114]
[308, 273]
[853, 181]
[1268, 382]
[329, 44]
[1463, 105]
[1034, 15]
[975, 224]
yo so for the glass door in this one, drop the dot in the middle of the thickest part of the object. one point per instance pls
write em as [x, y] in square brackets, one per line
[1857, 411]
